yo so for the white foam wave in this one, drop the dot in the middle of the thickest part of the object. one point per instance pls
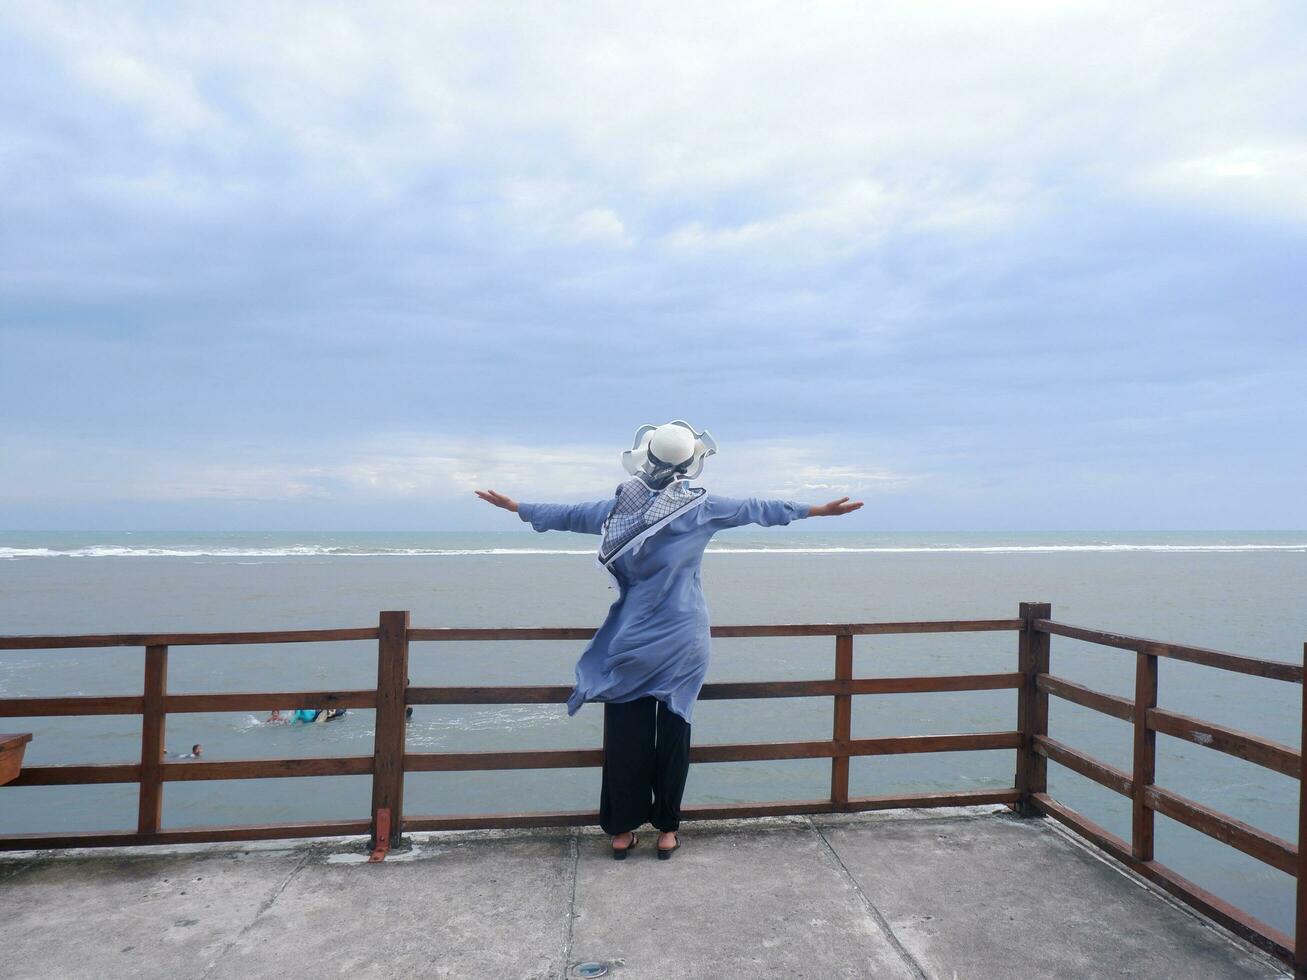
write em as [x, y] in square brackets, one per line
[323, 551]
[425, 731]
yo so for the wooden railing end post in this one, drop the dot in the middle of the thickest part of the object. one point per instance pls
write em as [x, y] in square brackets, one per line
[1032, 705]
[389, 739]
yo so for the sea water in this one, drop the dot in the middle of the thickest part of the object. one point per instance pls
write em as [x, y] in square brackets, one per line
[1237, 591]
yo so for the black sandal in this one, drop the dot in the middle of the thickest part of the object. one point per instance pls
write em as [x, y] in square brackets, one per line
[665, 853]
[619, 853]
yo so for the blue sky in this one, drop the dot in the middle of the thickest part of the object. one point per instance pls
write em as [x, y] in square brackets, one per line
[986, 266]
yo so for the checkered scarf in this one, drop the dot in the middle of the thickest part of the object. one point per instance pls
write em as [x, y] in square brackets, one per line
[641, 511]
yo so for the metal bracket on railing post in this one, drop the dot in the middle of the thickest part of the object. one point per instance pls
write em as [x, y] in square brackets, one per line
[381, 845]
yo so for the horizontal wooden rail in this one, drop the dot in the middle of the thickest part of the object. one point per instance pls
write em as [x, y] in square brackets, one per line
[971, 797]
[722, 632]
[501, 694]
[1273, 669]
[78, 775]
[74, 705]
[84, 640]
[486, 761]
[717, 811]
[1108, 704]
[971, 741]
[353, 765]
[478, 633]
[1244, 837]
[81, 641]
[286, 700]
[1091, 768]
[185, 703]
[1246, 926]
[557, 693]
[1252, 748]
[872, 629]
[722, 690]
[186, 835]
[732, 752]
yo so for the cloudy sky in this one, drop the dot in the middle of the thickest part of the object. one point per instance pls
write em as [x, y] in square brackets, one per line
[984, 265]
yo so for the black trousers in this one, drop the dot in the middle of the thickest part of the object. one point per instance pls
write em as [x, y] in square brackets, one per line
[646, 760]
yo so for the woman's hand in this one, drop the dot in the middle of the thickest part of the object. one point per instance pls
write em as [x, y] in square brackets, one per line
[835, 508]
[508, 503]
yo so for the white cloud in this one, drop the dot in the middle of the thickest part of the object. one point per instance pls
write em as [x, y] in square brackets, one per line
[604, 226]
[408, 467]
[196, 480]
[551, 209]
[943, 230]
[166, 95]
[817, 469]
[1270, 179]
[839, 118]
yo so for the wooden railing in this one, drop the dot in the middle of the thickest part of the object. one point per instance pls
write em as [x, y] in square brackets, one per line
[390, 760]
[1138, 785]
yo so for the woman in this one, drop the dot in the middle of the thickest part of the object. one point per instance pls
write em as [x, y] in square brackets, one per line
[648, 660]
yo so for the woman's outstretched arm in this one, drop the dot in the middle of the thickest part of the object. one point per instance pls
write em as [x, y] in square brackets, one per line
[585, 518]
[835, 508]
[724, 512]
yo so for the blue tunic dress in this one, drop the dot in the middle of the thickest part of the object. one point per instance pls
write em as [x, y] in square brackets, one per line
[655, 638]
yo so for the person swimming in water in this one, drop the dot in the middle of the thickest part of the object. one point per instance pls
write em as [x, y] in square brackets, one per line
[307, 716]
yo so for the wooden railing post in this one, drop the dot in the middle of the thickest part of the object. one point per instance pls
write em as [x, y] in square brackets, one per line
[842, 730]
[1145, 756]
[388, 742]
[1300, 933]
[1032, 704]
[153, 726]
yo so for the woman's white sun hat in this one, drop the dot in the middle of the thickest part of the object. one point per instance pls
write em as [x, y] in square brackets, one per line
[661, 453]
[662, 459]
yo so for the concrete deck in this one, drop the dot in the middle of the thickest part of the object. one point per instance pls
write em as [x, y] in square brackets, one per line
[902, 894]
